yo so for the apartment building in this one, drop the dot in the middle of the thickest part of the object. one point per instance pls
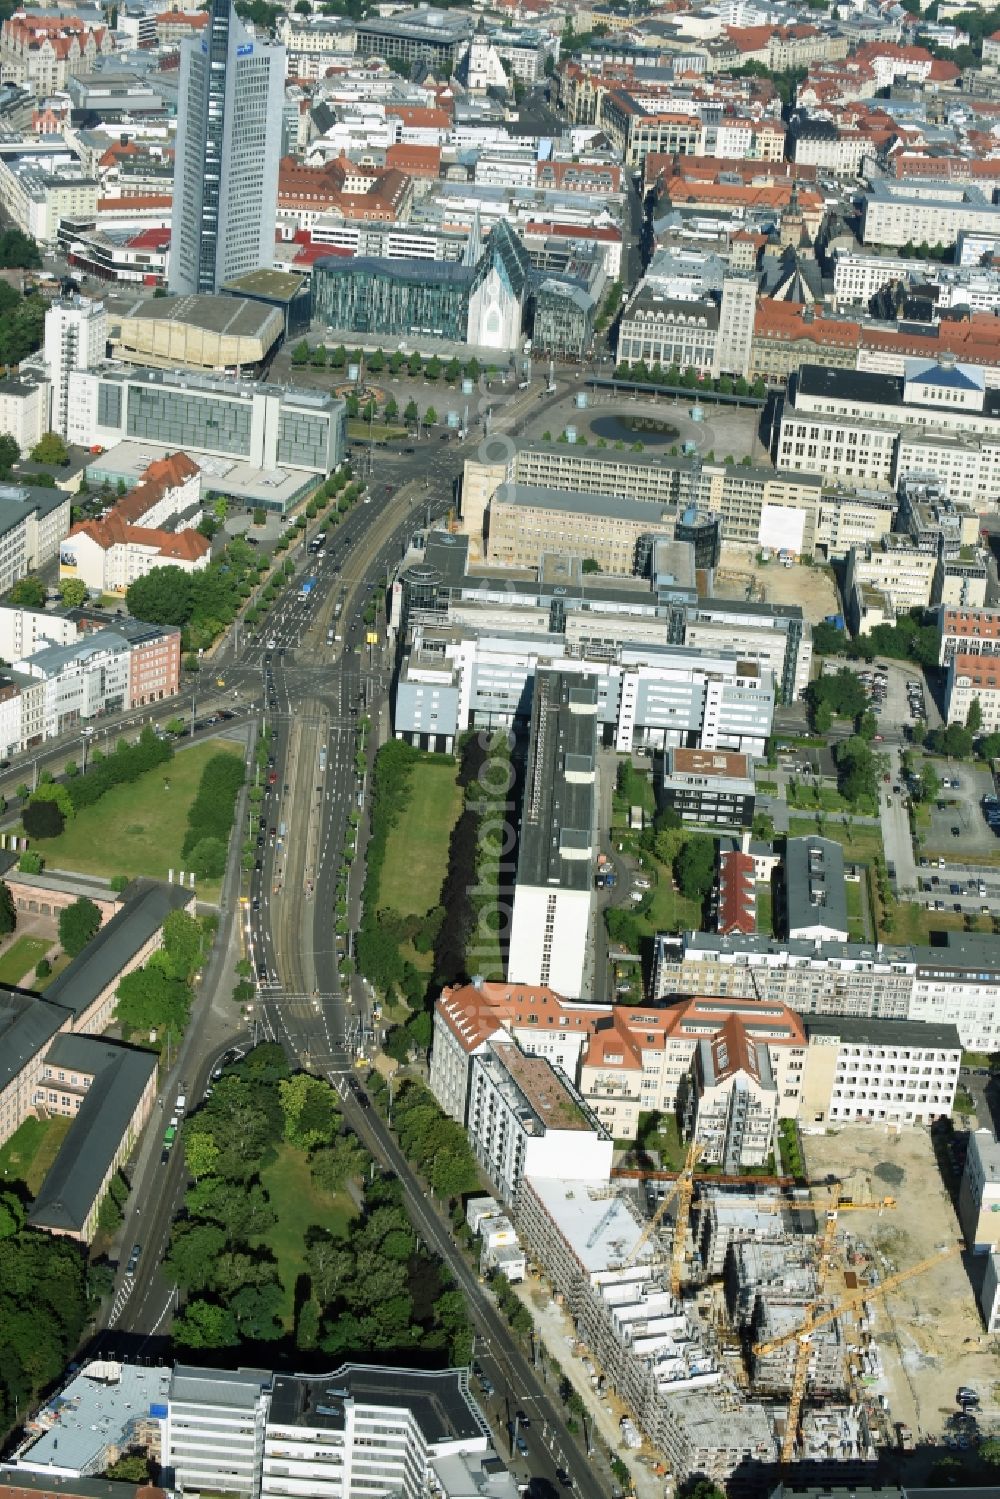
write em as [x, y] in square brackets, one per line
[24, 408]
[33, 522]
[967, 632]
[979, 1193]
[39, 192]
[973, 679]
[527, 1119]
[884, 1072]
[956, 984]
[43, 50]
[733, 1101]
[550, 936]
[526, 521]
[109, 554]
[668, 331]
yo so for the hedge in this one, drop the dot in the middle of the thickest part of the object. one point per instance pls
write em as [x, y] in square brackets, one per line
[213, 809]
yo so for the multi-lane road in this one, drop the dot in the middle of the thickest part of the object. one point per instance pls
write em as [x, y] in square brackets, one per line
[310, 677]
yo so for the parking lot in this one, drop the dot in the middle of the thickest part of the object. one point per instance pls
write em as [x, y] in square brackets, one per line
[961, 807]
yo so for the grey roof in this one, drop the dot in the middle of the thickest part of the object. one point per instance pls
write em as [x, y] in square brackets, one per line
[443, 272]
[26, 1023]
[239, 1388]
[52, 660]
[871, 1032]
[653, 305]
[146, 905]
[558, 813]
[18, 501]
[867, 389]
[439, 1402]
[814, 884]
[234, 317]
[643, 512]
[91, 1412]
[74, 1179]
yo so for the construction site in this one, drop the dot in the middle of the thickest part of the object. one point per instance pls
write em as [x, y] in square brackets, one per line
[743, 1323]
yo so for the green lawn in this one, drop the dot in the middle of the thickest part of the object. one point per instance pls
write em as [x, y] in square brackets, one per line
[138, 829]
[669, 910]
[20, 958]
[357, 431]
[855, 916]
[659, 1132]
[299, 1205]
[31, 1149]
[861, 841]
[806, 798]
[63, 961]
[765, 908]
[915, 923]
[416, 858]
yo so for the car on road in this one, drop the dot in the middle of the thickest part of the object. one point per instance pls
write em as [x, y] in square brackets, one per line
[521, 1446]
[262, 972]
[133, 1259]
[564, 1478]
[956, 831]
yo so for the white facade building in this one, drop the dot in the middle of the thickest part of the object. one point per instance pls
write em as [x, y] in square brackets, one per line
[76, 337]
[214, 1437]
[979, 1193]
[890, 1072]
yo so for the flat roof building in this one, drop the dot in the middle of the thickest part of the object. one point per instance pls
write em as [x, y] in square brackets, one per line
[198, 332]
[550, 923]
[815, 896]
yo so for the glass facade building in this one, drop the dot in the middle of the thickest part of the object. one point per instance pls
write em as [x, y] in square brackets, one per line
[564, 319]
[368, 294]
[230, 102]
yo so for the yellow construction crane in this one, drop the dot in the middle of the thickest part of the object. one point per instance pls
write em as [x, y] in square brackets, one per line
[685, 1177]
[815, 1318]
[685, 1192]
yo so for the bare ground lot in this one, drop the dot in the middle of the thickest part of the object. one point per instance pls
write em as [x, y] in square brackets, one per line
[812, 588]
[929, 1331]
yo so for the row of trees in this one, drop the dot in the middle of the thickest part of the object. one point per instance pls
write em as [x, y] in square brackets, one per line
[381, 932]
[437, 1146]
[374, 363]
[22, 323]
[203, 604]
[211, 814]
[687, 379]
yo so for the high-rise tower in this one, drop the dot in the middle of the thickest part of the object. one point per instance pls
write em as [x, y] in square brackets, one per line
[230, 105]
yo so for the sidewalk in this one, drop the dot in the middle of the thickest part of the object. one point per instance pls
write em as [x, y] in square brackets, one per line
[554, 1328]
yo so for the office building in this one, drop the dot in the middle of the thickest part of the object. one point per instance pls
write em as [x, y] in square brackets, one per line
[550, 937]
[214, 1435]
[104, 1409]
[979, 1193]
[437, 37]
[265, 426]
[225, 196]
[526, 1119]
[526, 521]
[708, 786]
[76, 338]
[657, 697]
[361, 1431]
[902, 211]
[33, 522]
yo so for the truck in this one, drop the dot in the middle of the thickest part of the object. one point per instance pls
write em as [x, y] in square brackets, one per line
[307, 588]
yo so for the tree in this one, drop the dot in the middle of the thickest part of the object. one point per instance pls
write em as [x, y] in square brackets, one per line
[310, 1110]
[201, 1153]
[78, 925]
[410, 412]
[694, 866]
[930, 783]
[165, 596]
[8, 910]
[19, 251]
[300, 353]
[50, 449]
[28, 593]
[10, 453]
[202, 1324]
[208, 859]
[391, 409]
[30, 862]
[73, 592]
[182, 944]
[868, 726]
[336, 1164]
[43, 819]
[823, 718]
[132, 1468]
[193, 1254]
[974, 717]
[591, 565]
[150, 1000]
[430, 416]
[43, 968]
